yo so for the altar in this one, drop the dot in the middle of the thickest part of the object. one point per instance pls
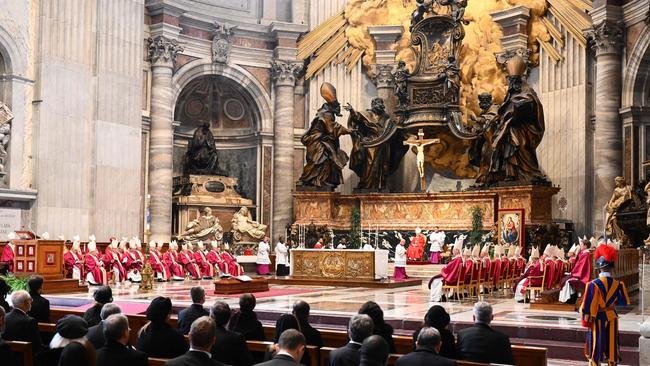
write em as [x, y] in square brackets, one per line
[339, 264]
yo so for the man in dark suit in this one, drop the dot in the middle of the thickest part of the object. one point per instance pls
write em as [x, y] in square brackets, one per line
[289, 350]
[20, 326]
[116, 351]
[188, 315]
[95, 333]
[481, 343]
[359, 328]
[6, 354]
[40, 305]
[426, 352]
[312, 335]
[374, 351]
[102, 295]
[229, 347]
[202, 338]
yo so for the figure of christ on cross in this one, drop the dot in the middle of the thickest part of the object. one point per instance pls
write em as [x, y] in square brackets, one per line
[419, 143]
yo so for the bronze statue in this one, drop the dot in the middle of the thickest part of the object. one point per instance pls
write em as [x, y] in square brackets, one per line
[201, 157]
[325, 159]
[205, 227]
[519, 130]
[401, 92]
[374, 164]
[481, 149]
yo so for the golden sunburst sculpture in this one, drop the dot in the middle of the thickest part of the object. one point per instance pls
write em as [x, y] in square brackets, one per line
[344, 39]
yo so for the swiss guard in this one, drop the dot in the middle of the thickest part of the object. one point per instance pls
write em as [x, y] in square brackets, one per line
[598, 311]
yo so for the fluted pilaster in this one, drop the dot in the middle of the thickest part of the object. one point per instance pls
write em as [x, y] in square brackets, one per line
[162, 54]
[606, 39]
[284, 74]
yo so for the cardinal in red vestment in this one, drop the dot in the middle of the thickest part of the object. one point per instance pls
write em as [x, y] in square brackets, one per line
[94, 266]
[170, 258]
[532, 276]
[549, 266]
[73, 260]
[207, 270]
[580, 275]
[8, 252]
[415, 250]
[234, 268]
[157, 263]
[132, 261]
[186, 257]
[113, 261]
[214, 258]
[450, 274]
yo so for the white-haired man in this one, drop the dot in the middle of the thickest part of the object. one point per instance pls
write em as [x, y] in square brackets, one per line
[18, 325]
[481, 343]
[94, 266]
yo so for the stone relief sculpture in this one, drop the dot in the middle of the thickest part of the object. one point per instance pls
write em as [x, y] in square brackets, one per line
[325, 159]
[243, 224]
[201, 157]
[221, 42]
[373, 164]
[205, 227]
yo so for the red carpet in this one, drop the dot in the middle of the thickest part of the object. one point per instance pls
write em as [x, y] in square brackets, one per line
[274, 292]
[129, 308]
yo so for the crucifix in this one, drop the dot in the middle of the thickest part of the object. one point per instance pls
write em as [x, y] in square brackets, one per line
[419, 143]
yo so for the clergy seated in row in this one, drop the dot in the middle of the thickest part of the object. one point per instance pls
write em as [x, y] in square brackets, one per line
[575, 281]
[223, 261]
[415, 249]
[549, 266]
[170, 258]
[449, 275]
[132, 262]
[532, 276]
[486, 263]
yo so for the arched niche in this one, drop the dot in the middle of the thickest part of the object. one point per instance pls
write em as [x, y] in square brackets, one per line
[234, 120]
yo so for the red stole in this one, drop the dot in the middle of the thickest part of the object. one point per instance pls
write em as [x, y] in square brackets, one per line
[450, 272]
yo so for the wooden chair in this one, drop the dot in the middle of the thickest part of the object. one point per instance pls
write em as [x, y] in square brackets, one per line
[459, 286]
[24, 348]
[534, 290]
[473, 287]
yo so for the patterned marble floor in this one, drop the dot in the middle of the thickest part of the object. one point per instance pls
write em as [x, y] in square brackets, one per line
[410, 303]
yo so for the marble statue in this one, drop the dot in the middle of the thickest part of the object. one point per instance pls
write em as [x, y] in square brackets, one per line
[622, 193]
[5, 134]
[243, 224]
[325, 159]
[205, 227]
[373, 164]
[518, 132]
[419, 143]
[201, 157]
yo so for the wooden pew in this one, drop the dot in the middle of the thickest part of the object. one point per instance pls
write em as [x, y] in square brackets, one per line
[25, 348]
[156, 361]
[524, 355]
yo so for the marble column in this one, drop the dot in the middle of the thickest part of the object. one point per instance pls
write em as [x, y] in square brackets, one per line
[606, 39]
[162, 53]
[284, 75]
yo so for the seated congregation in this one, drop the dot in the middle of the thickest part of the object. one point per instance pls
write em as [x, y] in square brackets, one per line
[220, 336]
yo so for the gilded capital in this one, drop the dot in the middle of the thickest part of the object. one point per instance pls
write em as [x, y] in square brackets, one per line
[383, 75]
[606, 37]
[163, 50]
[284, 73]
